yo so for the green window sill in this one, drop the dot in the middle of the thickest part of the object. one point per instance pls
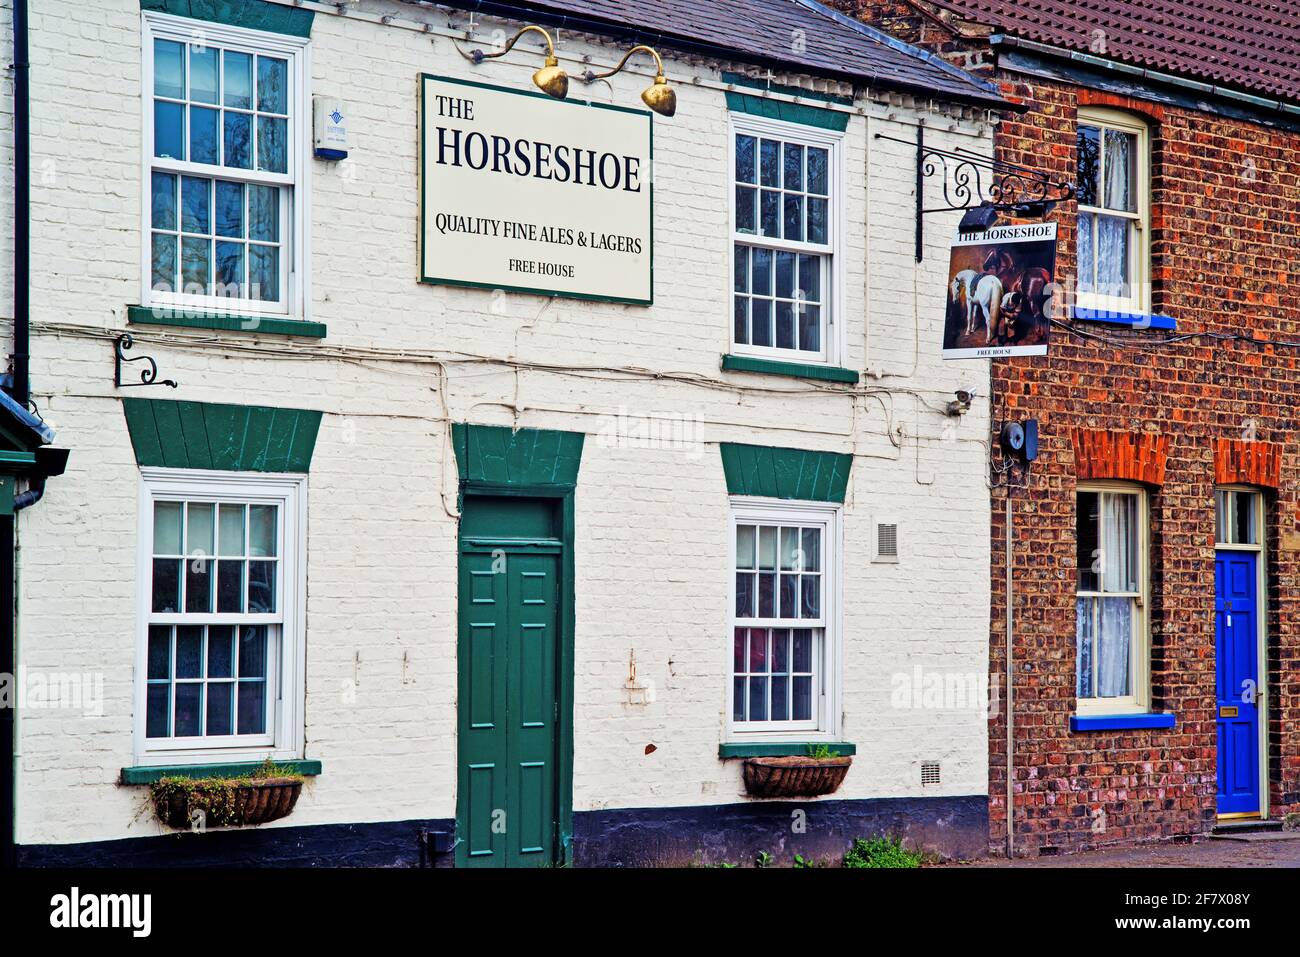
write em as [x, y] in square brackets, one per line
[797, 370]
[149, 775]
[227, 322]
[782, 749]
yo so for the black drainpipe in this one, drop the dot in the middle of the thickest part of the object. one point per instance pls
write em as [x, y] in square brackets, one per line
[21, 394]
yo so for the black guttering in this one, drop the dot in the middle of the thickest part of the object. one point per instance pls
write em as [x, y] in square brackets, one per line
[22, 205]
[636, 34]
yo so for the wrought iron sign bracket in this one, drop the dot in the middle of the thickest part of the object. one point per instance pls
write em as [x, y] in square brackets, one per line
[148, 375]
[971, 181]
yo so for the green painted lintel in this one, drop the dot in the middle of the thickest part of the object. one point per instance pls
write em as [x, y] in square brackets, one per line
[783, 749]
[792, 474]
[229, 438]
[798, 370]
[252, 14]
[148, 775]
[490, 455]
[817, 116]
[162, 316]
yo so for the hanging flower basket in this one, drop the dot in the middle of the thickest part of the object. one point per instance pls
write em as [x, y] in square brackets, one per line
[197, 804]
[794, 776]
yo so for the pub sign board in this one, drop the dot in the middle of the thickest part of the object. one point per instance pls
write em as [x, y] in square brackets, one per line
[523, 192]
[1000, 288]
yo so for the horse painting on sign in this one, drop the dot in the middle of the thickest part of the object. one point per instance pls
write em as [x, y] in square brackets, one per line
[1000, 287]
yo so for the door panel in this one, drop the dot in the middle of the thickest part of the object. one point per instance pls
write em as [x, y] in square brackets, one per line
[1236, 641]
[508, 646]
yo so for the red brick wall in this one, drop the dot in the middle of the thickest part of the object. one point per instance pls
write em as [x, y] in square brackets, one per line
[1225, 259]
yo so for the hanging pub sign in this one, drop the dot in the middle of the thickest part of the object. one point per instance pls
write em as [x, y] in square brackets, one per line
[1000, 286]
[523, 192]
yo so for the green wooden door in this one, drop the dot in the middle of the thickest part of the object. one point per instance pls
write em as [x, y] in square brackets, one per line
[507, 648]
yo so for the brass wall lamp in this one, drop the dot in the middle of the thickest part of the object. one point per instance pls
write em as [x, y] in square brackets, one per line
[659, 96]
[550, 79]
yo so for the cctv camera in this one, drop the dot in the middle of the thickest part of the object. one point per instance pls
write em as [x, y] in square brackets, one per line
[967, 396]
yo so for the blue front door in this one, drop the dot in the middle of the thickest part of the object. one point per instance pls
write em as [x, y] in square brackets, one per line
[1236, 647]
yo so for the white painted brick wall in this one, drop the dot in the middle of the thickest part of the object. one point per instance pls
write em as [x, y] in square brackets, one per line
[652, 525]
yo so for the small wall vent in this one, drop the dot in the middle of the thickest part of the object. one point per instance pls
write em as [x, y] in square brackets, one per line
[929, 772]
[886, 542]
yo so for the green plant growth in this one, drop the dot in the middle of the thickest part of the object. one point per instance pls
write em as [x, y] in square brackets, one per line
[764, 859]
[880, 852]
[803, 863]
[214, 797]
[820, 752]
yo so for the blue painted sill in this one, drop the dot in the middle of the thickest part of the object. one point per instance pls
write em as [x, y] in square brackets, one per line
[1121, 722]
[1136, 320]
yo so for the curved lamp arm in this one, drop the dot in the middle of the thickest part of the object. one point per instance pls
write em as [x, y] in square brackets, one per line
[590, 77]
[478, 56]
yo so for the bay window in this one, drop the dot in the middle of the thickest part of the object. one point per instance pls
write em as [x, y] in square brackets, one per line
[1114, 211]
[785, 190]
[224, 130]
[1111, 603]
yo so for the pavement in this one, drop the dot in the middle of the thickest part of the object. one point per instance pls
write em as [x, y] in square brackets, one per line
[1265, 849]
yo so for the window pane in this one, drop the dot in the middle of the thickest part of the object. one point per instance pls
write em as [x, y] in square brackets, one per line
[741, 268]
[262, 531]
[1089, 160]
[741, 319]
[203, 74]
[760, 322]
[1113, 255]
[1085, 609]
[199, 529]
[164, 201]
[272, 85]
[158, 711]
[168, 130]
[746, 210]
[196, 265]
[264, 273]
[810, 329]
[230, 270]
[767, 595]
[758, 650]
[793, 166]
[817, 221]
[230, 586]
[189, 698]
[167, 528]
[264, 213]
[770, 212]
[767, 547]
[746, 160]
[1119, 546]
[169, 69]
[761, 272]
[221, 708]
[252, 707]
[221, 651]
[1116, 634]
[1088, 541]
[230, 209]
[160, 651]
[738, 699]
[1243, 518]
[198, 585]
[1087, 258]
[1222, 519]
[744, 546]
[261, 587]
[785, 325]
[802, 656]
[238, 136]
[770, 169]
[166, 585]
[195, 211]
[812, 597]
[785, 278]
[790, 549]
[738, 651]
[801, 709]
[789, 596]
[794, 218]
[163, 277]
[810, 278]
[817, 167]
[1121, 155]
[745, 595]
[812, 551]
[781, 650]
[780, 699]
[757, 699]
[252, 651]
[232, 530]
[189, 651]
[239, 80]
[272, 150]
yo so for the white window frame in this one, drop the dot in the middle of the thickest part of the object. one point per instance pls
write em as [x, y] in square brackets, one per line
[1140, 649]
[833, 337]
[1140, 249]
[286, 688]
[295, 183]
[747, 510]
